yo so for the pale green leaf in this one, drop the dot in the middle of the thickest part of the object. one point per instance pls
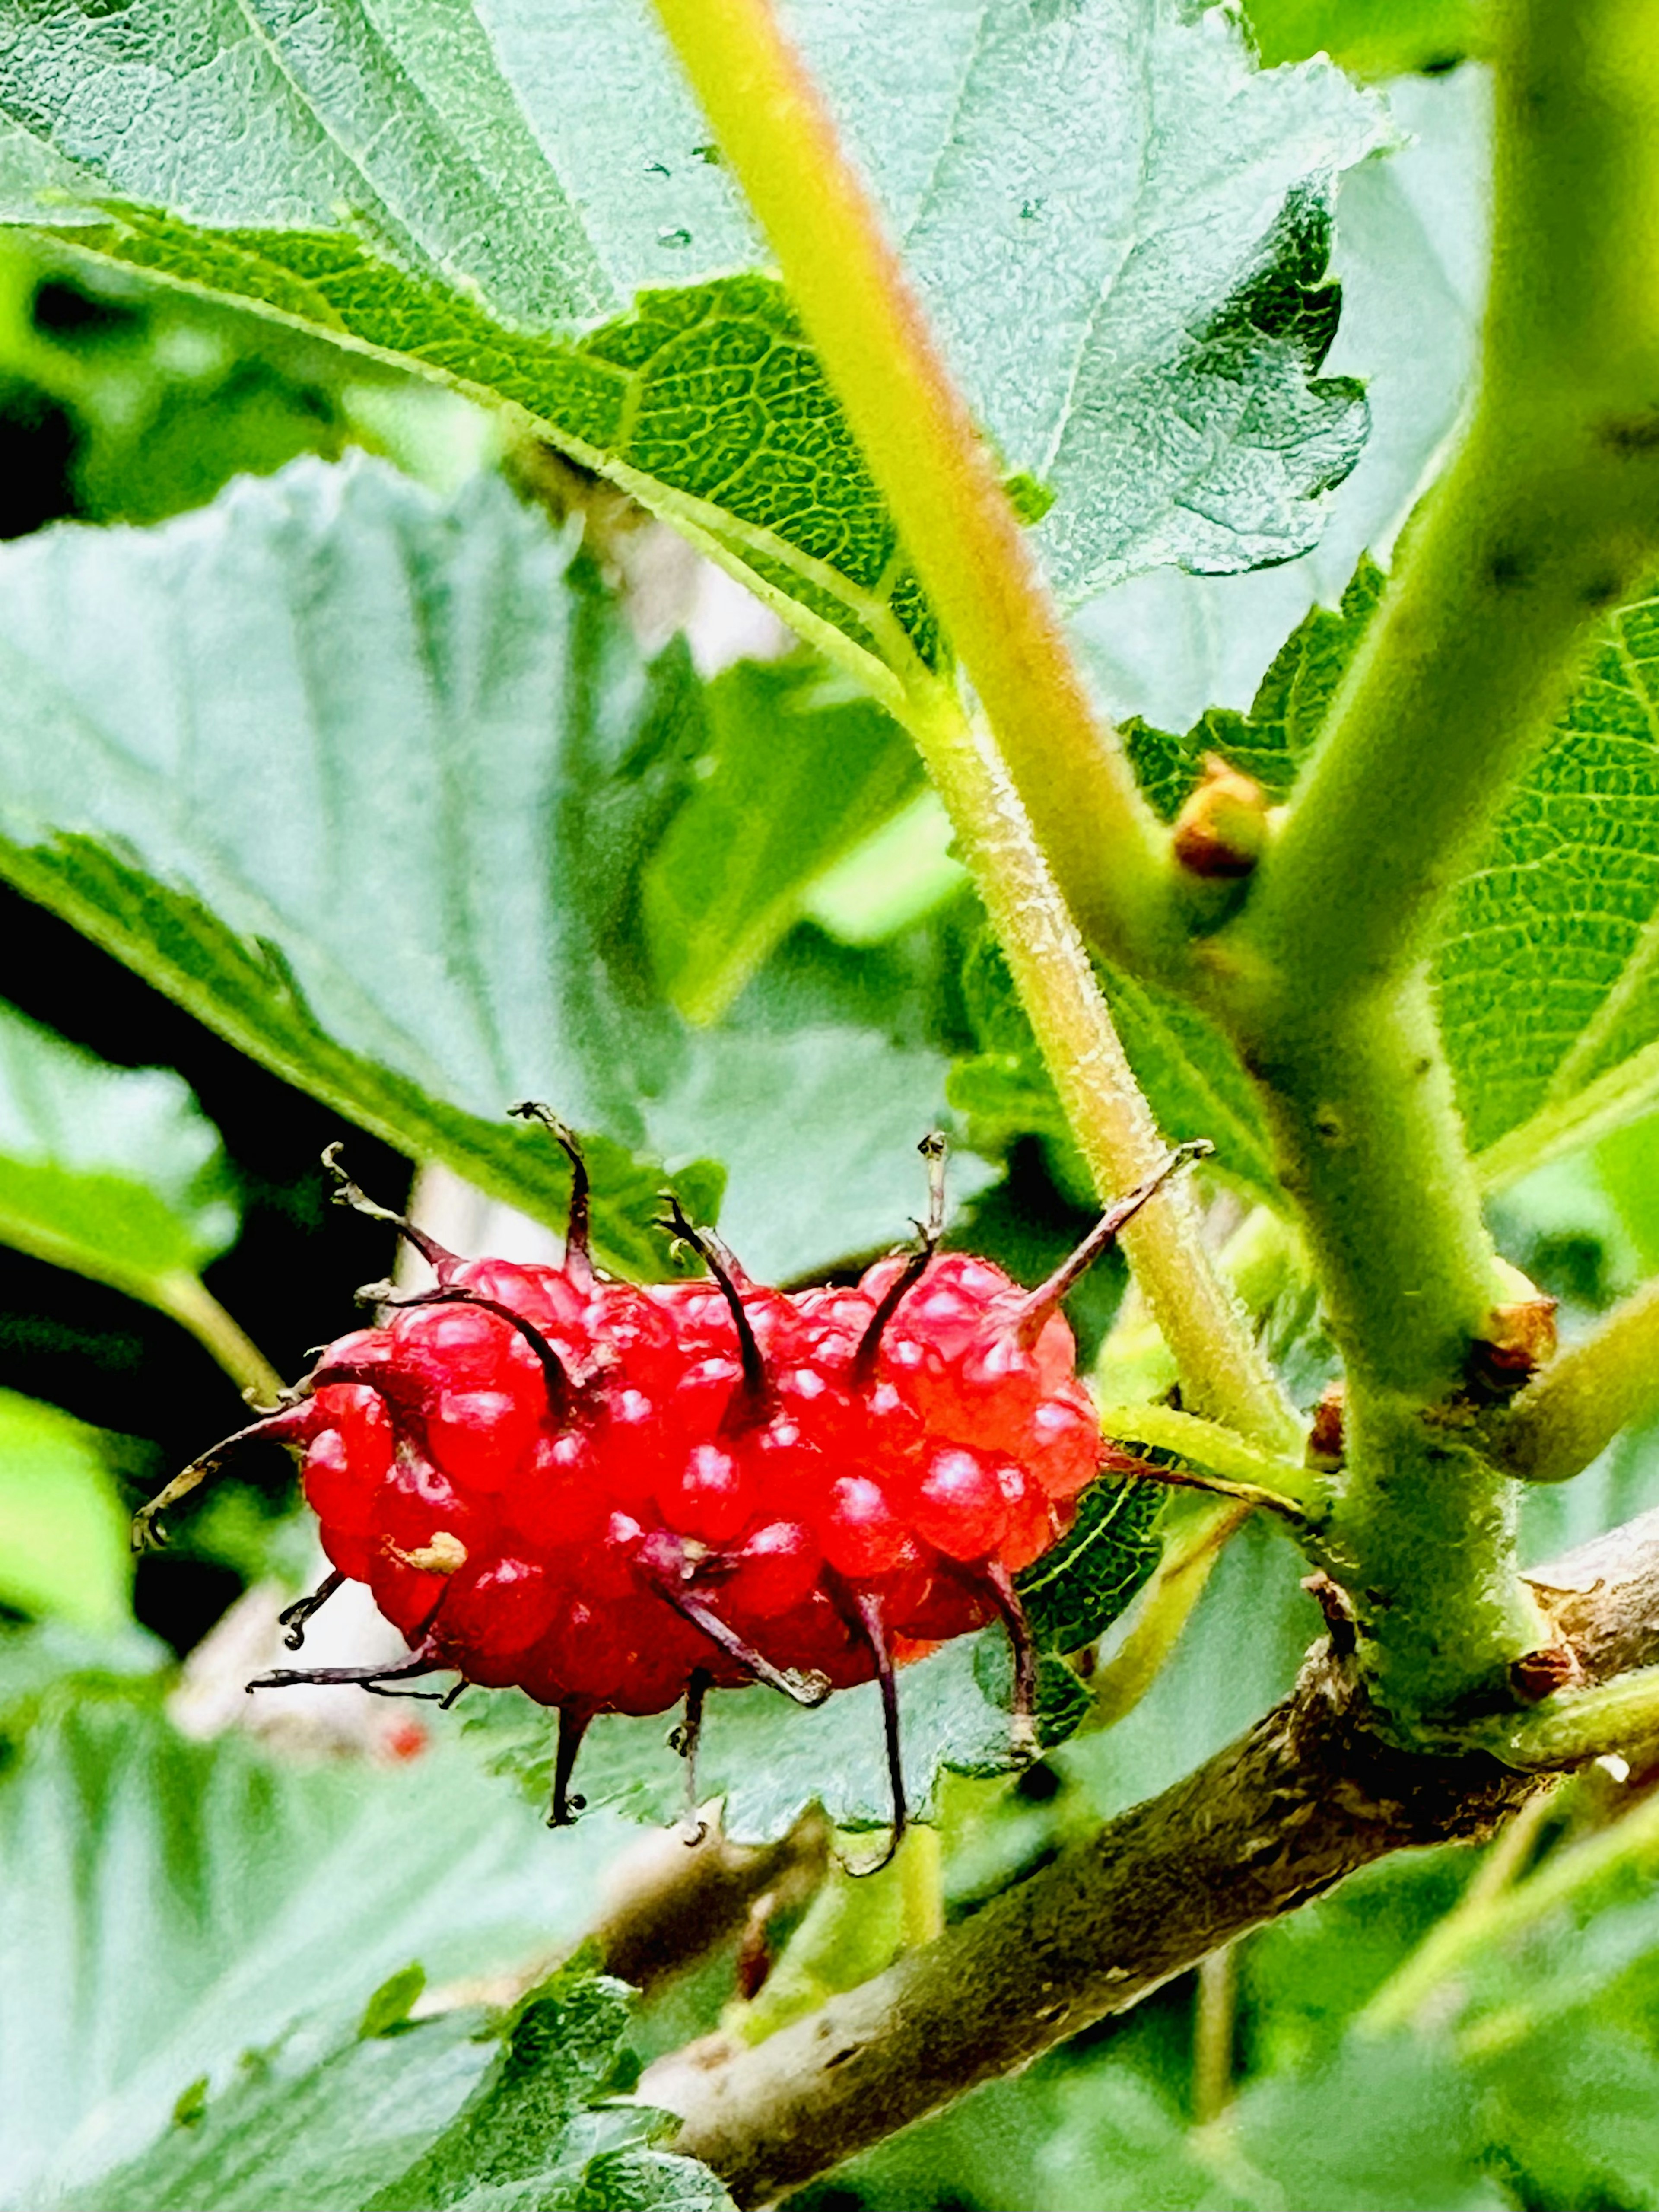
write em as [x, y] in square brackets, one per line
[114, 1172]
[170, 1904]
[64, 1531]
[1115, 221]
[409, 878]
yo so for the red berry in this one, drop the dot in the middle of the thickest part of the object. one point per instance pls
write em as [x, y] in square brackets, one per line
[960, 1508]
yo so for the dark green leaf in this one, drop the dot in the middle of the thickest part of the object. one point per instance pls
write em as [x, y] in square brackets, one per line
[512, 224]
[194, 1899]
[1076, 1593]
[410, 879]
[1271, 741]
[799, 769]
[1549, 982]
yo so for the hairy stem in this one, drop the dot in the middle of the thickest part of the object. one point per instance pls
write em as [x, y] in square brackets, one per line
[1223, 1372]
[1549, 514]
[935, 471]
[1585, 1396]
[1045, 788]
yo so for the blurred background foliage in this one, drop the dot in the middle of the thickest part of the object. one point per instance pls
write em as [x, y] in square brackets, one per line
[1452, 2029]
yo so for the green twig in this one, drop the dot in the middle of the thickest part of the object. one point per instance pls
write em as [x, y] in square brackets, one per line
[1549, 515]
[1254, 1477]
[1586, 1395]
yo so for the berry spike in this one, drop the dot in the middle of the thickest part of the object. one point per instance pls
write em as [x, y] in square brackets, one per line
[579, 1228]
[662, 1561]
[287, 1425]
[293, 1617]
[573, 1727]
[932, 1150]
[425, 1659]
[684, 1738]
[1034, 1310]
[1023, 1733]
[443, 1262]
[861, 1611]
[756, 1391]
[561, 1391]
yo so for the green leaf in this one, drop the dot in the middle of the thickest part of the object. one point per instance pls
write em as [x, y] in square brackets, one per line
[193, 1900]
[799, 770]
[767, 1761]
[1371, 39]
[1410, 255]
[528, 2136]
[390, 2005]
[457, 2111]
[409, 880]
[114, 1172]
[1549, 975]
[1287, 713]
[1078, 1590]
[64, 1549]
[1239, 1653]
[513, 222]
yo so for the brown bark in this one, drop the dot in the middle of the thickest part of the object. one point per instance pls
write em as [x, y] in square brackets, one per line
[1305, 1797]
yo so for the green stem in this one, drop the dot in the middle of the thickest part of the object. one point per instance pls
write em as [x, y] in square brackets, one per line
[1076, 797]
[1549, 515]
[189, 1300]
[1216, 1450]
[1223, 1371]
[1579, 1725]
[1371, 1146]
[1586, 1395]
[935, 471]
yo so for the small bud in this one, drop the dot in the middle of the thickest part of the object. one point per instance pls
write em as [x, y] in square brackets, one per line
[1223, 827]
[1540, 1673]
[1325, 1439]
[1520, 1339]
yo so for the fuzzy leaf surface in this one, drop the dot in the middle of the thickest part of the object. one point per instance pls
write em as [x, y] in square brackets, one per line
[409, 880]
[195, 1900]
[520, 198]
[768, 1760]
